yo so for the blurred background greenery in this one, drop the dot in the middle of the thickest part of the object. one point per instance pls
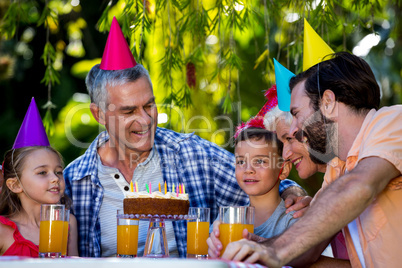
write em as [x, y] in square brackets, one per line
[210, 60]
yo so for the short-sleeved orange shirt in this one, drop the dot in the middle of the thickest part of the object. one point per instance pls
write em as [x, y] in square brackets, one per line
[379, 225]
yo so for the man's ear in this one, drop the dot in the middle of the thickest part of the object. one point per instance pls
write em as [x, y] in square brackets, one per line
[287, 166]
[97, 113]
[328, 104]
[14, 185]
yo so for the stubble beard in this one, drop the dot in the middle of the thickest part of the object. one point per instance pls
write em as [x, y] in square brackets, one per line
[322, 138]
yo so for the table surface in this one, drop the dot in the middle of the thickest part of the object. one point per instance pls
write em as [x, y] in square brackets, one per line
[20, 262]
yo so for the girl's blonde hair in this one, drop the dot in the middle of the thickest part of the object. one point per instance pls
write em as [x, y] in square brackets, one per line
[13, 166]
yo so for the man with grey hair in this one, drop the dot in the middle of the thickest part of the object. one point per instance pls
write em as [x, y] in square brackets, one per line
[134, 149]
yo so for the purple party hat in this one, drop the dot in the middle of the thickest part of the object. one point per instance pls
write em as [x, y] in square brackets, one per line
[32, 131]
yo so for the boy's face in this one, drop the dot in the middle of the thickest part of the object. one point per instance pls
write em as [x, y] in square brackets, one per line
[257, 166]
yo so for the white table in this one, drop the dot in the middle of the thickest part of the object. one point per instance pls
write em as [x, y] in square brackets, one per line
[17, 262]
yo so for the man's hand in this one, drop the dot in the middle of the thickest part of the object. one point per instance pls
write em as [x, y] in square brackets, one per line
[300, 204]
[214, 244]
[251, 252]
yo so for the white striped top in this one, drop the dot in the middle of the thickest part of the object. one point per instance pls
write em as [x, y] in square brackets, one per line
[114, 186]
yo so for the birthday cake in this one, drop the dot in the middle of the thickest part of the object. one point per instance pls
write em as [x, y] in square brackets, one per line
[156, 203]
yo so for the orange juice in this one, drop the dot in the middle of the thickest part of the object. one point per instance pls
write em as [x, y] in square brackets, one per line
[249, 227]
[50, 236]
[127, 239]
[197, 235]
[230, 232]
[65, 239]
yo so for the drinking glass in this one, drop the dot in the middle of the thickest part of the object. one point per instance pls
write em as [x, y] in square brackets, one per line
[65, 233]
[198, 233]
[127, 236]
[51, 230]
[233, 221]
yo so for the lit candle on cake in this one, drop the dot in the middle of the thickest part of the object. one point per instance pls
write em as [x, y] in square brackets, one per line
[165, 187]
[136, 187]
[159, 186]
[131, 186]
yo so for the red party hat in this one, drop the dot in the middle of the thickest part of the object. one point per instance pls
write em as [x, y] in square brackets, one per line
[32, 131]
[117, 54]
[272, 101]
[258, 120]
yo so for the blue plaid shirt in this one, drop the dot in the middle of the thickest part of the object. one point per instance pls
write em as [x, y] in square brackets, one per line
[206, 170]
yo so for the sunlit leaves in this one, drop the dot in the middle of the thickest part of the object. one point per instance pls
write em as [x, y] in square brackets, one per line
[227, 104]
[48, 123]
[15, 14]
[49, 17]
[49, 56]
[103, 22]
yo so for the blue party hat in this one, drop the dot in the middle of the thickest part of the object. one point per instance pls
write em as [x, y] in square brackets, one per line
[282, 77]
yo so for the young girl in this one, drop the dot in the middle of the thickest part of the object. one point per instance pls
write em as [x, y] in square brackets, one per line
[33, 176]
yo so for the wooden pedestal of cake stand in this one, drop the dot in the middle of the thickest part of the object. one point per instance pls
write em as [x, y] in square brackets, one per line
[156, 245]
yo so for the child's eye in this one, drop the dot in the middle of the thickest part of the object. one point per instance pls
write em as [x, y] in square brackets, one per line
[240, 162]
[42, 173]
[59, 172]
[259, 161]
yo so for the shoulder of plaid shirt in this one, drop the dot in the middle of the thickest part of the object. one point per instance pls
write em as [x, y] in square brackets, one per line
[206, 170]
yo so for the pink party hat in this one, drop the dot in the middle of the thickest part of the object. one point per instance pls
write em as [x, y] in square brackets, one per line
[32, 132]
[117, 54]
[314, 48]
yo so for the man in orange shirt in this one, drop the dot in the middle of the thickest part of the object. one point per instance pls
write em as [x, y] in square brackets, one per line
[336, 105]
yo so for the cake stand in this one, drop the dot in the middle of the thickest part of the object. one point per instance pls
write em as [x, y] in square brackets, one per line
[156, 245]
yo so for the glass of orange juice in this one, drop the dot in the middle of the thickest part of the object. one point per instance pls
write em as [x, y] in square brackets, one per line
[249, 221]
[233, 220]
[127, 236]
[65, 233]
[51, 230]
[198, 232]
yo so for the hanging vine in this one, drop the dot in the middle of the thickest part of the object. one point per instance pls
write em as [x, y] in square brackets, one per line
[189, 68]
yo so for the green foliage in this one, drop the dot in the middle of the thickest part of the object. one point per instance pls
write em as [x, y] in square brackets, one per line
[48, 16]
[18, 12]
[48, 123]
[49, 56]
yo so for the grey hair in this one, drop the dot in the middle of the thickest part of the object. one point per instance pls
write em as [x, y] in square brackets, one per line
[285, 116]
[97, 80]
[272, 118]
